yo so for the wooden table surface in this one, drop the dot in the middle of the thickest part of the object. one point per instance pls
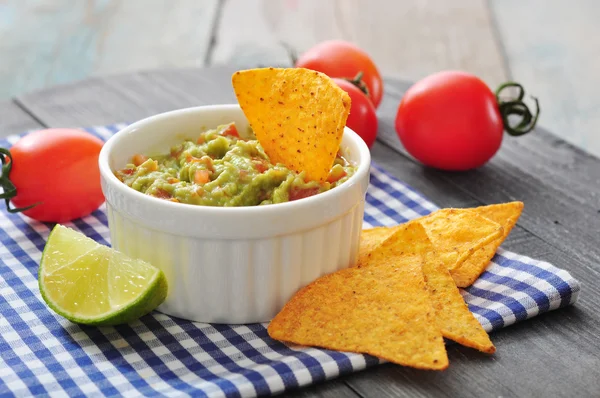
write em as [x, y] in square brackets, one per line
[553, 355]
[548, 45]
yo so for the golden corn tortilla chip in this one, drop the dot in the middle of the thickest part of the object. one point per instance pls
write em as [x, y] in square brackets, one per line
[371, 238]
[383, 309]
[297, 114]
[505, 214]
[452, 314]
[457, 234]
[466, 253]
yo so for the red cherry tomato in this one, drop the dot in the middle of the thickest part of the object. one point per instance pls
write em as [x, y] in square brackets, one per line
[362, 119]
[338, 58]
[58, 170]
[451, 121]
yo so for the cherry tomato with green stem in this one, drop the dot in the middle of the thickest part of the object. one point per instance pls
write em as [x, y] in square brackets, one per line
[52, 175]
[451, 120]
[337, 58]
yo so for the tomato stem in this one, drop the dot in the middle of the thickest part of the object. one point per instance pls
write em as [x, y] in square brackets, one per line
[290, 52]
[358, 82]
[10, 191]
[516, 107]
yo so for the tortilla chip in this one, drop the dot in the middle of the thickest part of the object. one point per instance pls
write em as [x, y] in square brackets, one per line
[452, 314]
[457, 234]
[505, 214]
[371, 238]
[383, 309]
[297, 114]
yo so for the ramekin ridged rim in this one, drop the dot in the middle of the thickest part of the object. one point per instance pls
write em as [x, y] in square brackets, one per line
[364, 162]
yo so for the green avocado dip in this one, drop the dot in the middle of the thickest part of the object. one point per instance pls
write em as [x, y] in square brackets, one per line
[221, 168]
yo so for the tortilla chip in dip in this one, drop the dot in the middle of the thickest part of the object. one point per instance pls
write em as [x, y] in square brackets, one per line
[298, 116]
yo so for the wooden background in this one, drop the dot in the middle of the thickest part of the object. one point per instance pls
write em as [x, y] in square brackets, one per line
[551, 46]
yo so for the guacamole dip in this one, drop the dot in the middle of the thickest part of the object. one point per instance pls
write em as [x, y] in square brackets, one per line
[221, 168]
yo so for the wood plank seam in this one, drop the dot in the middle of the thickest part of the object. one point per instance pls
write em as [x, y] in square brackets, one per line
[212, 41]
[22, 106]
[498, 39]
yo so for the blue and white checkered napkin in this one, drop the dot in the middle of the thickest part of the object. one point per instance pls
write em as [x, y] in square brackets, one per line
[42, 353]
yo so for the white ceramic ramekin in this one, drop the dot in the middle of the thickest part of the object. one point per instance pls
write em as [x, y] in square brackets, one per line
[230, 264]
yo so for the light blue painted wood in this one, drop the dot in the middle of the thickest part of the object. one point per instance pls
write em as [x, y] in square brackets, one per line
[408, 39]
[47, 42]
[551, 45]
[553, 49]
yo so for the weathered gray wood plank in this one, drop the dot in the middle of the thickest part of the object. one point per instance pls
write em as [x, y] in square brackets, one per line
[126, 97]
[407, 39]
[546, 42]
[552, 48]
[550, 355]
[328, 389]
[15, 120]
[52, 42]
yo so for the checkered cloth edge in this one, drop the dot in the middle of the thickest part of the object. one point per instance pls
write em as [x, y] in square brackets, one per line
[41, 353]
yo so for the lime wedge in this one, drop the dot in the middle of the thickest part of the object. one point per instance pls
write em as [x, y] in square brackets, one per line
[92, 284]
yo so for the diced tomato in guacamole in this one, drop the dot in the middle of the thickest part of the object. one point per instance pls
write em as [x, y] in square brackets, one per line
[222, 168]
